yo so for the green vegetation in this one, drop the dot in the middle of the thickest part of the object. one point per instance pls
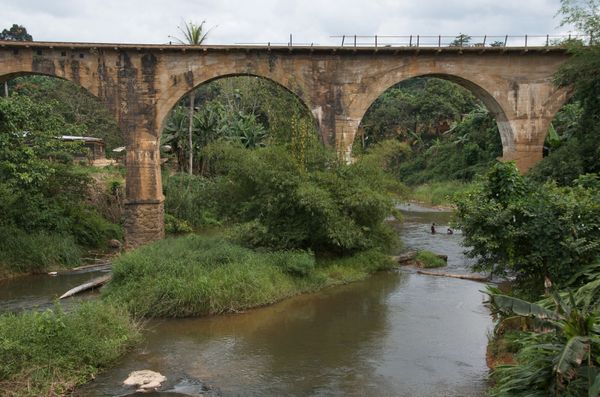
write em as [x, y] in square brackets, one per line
[197, 275]
[49, 353]
[251, 111]
[530, 231]
[556, 344]
[438, 193]
[271, 200]
[429, 260]
[448, 135]
[544, 230]
[46, 219]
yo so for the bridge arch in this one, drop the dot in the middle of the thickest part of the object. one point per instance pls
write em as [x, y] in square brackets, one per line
[171, 100]
[507, 135]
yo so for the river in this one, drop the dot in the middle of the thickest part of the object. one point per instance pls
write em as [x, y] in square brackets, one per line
[396, 334]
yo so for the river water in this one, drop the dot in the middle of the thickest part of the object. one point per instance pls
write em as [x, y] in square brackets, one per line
[395, 334]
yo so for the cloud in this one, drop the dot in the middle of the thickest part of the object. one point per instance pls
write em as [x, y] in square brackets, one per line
[152, 21]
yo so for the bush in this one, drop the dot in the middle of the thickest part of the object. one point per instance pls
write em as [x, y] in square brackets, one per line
[189, 199]
[49, 353]
[429, 260]
[90, 229]
[321, 204]
[198, 275]
[438, 193]
[176, 226]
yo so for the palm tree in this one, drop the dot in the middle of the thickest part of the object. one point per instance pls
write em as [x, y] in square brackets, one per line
[193, 34]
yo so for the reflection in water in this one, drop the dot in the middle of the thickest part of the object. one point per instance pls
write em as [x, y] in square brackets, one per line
[395, 334]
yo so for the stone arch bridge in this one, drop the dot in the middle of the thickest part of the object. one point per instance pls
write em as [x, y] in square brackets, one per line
[140, 84]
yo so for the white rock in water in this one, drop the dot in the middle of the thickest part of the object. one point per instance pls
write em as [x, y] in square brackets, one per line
[146, 380]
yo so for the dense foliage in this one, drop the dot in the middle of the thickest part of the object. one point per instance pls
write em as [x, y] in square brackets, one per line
[448, 133]
[197, 275]
[251, 111]
[81, 111]
[49, 353]
[41, 192]
[530, 231]
[558, 344]
[274, 201]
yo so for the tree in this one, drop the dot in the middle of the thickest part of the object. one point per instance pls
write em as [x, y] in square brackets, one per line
[15, 33]
[579, 154]
[461, 40]
[584, 15]
[193, 34]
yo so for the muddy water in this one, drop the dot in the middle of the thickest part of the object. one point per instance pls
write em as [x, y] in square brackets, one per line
[396, 334]
[40, 291]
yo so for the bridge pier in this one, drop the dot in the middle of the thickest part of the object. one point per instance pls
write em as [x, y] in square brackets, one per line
[525, 156]
[144, 200]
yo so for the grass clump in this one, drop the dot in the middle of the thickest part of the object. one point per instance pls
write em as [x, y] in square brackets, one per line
[429, 260]
[49, 353]
[202, 275]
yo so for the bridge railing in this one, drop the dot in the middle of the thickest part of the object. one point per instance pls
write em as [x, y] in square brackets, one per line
[419, 41]
[459, 41]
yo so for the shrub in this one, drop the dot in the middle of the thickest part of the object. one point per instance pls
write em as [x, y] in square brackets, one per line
[90, 229]
[49, 353]
[189, 198]
[321, 205]
[176, 226]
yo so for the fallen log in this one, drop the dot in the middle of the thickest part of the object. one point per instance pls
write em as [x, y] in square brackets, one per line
[97, 282]
[472, 277]
[99, 265]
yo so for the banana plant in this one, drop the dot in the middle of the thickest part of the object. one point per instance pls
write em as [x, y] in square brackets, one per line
[559, 355]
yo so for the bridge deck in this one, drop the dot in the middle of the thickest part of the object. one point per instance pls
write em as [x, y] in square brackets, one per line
[278, 48]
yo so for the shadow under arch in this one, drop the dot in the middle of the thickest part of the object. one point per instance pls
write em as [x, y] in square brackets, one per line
[172, 101]
[507, 135]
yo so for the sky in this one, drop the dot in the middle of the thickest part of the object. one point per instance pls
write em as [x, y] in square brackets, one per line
[261, 21]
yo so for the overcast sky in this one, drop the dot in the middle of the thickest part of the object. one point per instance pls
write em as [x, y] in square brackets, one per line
[237, 21]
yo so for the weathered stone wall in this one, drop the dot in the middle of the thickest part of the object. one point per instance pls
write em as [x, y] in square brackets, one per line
[140, 84]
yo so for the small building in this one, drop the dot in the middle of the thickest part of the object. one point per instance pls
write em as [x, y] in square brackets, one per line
[95, 153]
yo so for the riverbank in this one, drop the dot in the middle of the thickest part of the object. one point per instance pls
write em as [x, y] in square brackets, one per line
[50, 353]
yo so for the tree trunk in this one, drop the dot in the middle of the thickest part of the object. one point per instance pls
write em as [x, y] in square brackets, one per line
[190, 130]
[6, 89]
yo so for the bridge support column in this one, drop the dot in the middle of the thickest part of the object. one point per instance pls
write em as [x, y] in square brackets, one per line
[345, 131]
[144, 205]
[525, 156]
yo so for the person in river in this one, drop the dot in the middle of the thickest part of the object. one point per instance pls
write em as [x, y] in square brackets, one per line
[450, 231]
[433, 228]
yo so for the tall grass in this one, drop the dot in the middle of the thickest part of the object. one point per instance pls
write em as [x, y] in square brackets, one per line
[200, 275]
[22, 252]
[49, 353]
[438, 193]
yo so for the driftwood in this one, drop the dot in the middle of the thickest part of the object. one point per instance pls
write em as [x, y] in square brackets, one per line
[97, 282]
[472, 277]
[102, 264]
